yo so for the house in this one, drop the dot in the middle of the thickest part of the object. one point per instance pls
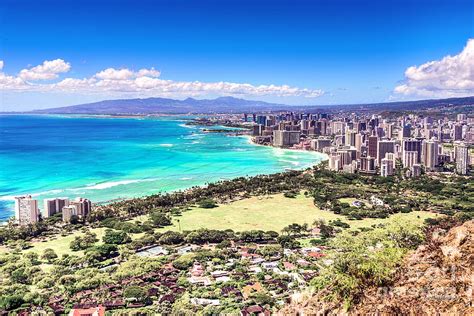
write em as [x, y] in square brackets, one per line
[92, 311]
[270, 265]
[228, 290]
[186, 249]
[167, 298]
[255, 310]
[257, 260]
[219, 273]
[153, 252]
[289, 266]
[316, 255]
[200, 280]
[222, 279]
[114, 304]
[310, 249]
[288, 252]
[197, 270]
[205, 301]
[302, 262]
[255, 269]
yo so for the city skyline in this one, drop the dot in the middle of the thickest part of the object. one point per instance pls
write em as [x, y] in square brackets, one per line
[326, 52]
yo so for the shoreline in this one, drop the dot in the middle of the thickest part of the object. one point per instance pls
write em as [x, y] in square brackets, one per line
[318, 157]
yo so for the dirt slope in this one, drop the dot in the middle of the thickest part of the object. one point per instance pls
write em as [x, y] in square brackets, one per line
[436, 279]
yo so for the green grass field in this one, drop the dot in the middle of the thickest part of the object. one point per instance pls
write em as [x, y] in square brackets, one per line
[265, 213]
[270, 213]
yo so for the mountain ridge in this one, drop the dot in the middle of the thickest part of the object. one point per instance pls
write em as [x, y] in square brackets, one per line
[232, 105]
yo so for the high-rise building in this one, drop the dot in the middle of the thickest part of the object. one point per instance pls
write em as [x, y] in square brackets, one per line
[461, 117]
[53, 206]
[350, 137]
[387, 167]
[409, 158]
[415, 170]
[430, 154]
[68, 212]
[257, 130]
[338, 128]
[285, 138]
[358, 142]
[334, 162]
[83, 206]
[261, 120]
[457, 132]
[367, 164]
[406, 131]
[372, 146]
[26, 210]
[384, 147]
[304, 124]
[390, 130]
[322, 143]
[462, 158]
[412, 145]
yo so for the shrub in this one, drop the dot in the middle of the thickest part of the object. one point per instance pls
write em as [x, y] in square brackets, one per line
[207, 203]
[49, 255]
[367, 259]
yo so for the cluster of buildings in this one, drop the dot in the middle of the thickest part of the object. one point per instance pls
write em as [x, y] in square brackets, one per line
[234, 279]
[372, 144]
[27, 210]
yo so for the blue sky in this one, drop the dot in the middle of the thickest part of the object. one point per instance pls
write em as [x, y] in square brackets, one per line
[327, 52]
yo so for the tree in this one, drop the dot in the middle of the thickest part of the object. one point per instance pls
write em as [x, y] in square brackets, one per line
[19, 276]
[184, 262]
[136, 293]
[9, 302]
[101, 252]
[171, 238]
[116, 237]
[49, 255]
[160, 219]
[224, 244]
[83, 242]
[74, 219]
[287, 241]
[326, 231]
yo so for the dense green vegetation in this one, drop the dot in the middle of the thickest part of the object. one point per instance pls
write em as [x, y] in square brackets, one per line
[366, 259]
[102, 251]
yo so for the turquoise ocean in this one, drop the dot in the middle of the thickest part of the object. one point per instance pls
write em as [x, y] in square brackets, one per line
[104, 158]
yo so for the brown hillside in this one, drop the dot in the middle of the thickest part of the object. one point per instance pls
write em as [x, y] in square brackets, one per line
[436, 279]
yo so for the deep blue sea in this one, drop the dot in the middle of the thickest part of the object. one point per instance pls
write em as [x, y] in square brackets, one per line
[104, 158]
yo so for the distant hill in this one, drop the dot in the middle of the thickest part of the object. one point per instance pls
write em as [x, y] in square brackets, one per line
[235, 105]
[166, 106]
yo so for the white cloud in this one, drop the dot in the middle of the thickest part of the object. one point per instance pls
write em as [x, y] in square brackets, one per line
[452, 76]
[114, 74]
[148, 72]
[10, 82]
[144, 82]
[48, 70]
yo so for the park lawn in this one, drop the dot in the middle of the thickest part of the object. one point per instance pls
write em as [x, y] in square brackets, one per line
[417, 217]
[271, 212]
[60, 244]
